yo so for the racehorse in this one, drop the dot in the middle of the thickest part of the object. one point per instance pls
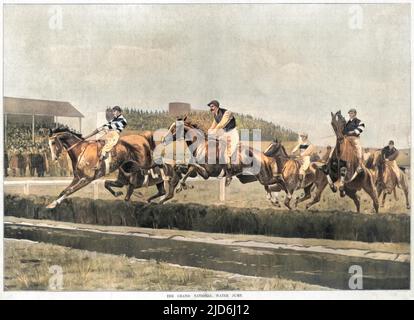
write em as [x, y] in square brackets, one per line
[84, 156]
[203, 149]
[343, 166]
[290, 174]
[386, 180]
[165, 178]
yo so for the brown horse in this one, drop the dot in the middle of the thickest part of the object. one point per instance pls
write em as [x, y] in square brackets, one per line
[290, 174]
[84, 156]
[386, 180]
[165, 178]
[343, 165]
[263, 169]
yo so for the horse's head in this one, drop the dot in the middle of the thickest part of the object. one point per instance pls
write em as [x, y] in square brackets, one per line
[180, 129]
[273, 148]
[58, 139]
[338, 123]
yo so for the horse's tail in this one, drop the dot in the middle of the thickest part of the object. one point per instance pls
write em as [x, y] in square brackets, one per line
[150, 137]
[133, 150]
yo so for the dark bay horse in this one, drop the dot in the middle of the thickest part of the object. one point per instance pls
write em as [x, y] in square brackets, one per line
[343, 165]
[84, 156]
[202, 149]
[290, 174]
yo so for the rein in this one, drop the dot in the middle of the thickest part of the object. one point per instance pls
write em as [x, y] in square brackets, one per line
[56, 136]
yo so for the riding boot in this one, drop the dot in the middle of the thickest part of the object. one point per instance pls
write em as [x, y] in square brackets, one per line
[301, 181]
[102, 158]
[360, 166]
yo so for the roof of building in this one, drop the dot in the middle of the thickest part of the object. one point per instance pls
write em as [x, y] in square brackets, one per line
[39, 107]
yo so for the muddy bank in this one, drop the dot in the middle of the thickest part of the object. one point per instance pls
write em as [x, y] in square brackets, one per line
[220, 219]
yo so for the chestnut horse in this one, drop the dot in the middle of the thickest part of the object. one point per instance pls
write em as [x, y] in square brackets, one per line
[85, 155]
[343, 166]
[290, 174]
[203, 150]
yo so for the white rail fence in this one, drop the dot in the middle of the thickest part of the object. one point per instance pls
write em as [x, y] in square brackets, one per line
[96, 184]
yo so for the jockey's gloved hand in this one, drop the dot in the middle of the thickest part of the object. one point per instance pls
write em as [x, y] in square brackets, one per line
[91, 134]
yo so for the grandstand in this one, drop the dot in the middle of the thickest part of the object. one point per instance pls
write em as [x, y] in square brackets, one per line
[37, 113]
[26, 122]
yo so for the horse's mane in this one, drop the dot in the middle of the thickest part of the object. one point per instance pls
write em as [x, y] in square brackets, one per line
[290, 167]
[285, 154]
[371, 162]
[66, 129]
[150, 137]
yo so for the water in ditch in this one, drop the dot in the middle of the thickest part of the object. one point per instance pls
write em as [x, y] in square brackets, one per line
[329, 270]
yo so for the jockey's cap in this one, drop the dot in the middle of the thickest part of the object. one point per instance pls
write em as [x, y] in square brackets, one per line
[117, 108]
[352, 110]
[303, 134]
[391, 142]
[214, 103]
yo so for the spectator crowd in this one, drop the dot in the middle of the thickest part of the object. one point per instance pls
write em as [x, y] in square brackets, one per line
[27, 157]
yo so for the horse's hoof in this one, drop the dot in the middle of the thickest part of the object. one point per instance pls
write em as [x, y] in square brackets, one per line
[119, 193]
[191, 187]
[52, 205]
[178, 190]
[408, 206]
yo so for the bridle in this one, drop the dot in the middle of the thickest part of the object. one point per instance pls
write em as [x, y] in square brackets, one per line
[60, 144]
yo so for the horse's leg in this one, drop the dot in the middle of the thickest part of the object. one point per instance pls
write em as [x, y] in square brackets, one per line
[383, 199]
[395, 194]
[404, 187]
[161, 192]
[130, 190]
[353, 195]
[117, 184]
[320, 185]
[272, 196]
[54, 203]
[369, 187]
[306, 196]
[79, 185]
[183, 185]
[170, 186]
[74, 181]
[287, 200]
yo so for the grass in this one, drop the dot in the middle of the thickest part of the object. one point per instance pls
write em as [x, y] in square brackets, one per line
[27, 267]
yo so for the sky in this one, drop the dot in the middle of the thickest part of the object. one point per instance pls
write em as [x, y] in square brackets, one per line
[290, 64]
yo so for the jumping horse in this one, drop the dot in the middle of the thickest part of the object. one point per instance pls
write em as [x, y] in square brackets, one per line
[84, 156]
[343, 165]
[290, 174]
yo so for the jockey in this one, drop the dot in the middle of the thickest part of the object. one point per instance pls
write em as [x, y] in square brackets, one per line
[389, 153]
[353, 128]
[305, 149]
[224, 124]
[112, 130]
